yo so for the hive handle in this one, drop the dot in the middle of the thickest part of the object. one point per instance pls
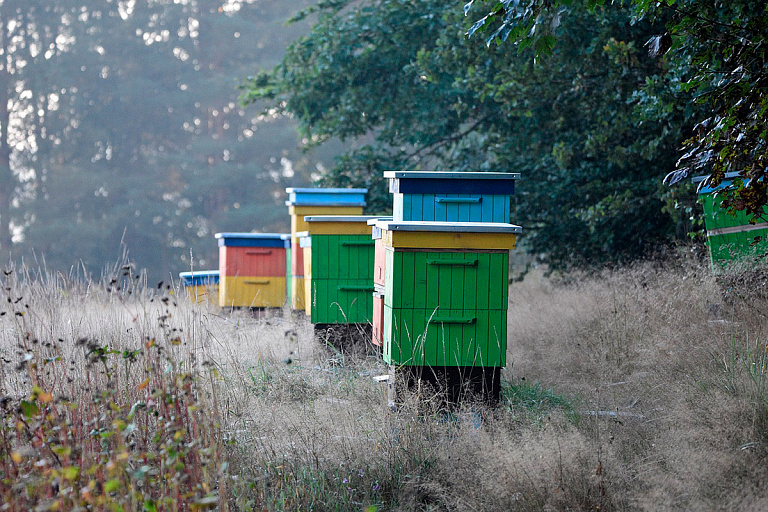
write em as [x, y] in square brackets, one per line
[464, 262]
[355, 288]
[458, 199]
[257, 281]
[357, 242]
[453, 320]
[258, 251]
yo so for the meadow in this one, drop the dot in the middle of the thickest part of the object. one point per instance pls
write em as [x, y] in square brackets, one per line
[637, 388]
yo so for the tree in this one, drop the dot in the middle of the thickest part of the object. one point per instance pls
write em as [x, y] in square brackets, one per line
[125, 126]
[29, 40]
[402, 80]
[715, 52]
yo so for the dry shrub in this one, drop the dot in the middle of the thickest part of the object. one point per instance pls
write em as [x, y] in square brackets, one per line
[670, 375]
[641, 388]
[103, 400]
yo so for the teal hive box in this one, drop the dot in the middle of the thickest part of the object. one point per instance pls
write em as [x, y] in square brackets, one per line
[451, 196]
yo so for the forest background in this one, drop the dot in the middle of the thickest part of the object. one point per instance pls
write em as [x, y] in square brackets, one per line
[123, 130]
[126, 126]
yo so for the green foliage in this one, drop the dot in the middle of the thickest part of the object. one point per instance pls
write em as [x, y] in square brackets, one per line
[402, 80]
[713, 54]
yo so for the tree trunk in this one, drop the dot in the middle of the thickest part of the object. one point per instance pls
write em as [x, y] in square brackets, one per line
[7, 181]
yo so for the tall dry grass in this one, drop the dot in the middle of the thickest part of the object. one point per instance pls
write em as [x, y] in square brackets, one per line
[637, 389]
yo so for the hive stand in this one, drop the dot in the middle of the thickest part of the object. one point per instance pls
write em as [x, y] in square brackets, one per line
[314, 201]
[252, 269]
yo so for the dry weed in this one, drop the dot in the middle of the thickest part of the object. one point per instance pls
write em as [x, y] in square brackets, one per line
[642, 388]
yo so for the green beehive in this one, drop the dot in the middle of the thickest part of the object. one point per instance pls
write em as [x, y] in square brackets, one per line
[445, 293]
[338, 269]
[730, 238]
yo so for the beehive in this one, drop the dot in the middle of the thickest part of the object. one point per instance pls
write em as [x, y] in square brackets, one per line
[451, 196]
[445, 293]
[315, 201]
[201, 286]
[730, 238]
[338, 269]
[252, 269]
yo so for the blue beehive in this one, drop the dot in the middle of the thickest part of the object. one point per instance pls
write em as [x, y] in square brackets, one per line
[451, 196]
[326, 196]
[201, 285]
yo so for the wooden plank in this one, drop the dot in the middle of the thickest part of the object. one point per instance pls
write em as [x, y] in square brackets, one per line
[389, 283]
[339, 228]
[203, 293]
[432, 289]
[342, 257]
[497, 338]
[417, 182]
[498, 265]
[341, 302]
[251, 239]
[407, 269]
[377, 330]
[303, 210]
[379, 259]
[447, 279]
[297, 259]
[388, 326]
[199, 278]
[326, 196]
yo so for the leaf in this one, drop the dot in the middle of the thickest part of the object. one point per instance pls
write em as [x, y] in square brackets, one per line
[112, 486]
[29, 409]
[62, 451]
[71, 473]
[41, 395]
[143, 385]
[477, 26]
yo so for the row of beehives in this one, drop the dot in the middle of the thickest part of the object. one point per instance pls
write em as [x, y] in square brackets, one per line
[263, 270]
[432, 279]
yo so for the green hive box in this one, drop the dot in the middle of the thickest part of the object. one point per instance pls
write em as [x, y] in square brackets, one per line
[730, 238]
[338, 269]
[445, 293]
